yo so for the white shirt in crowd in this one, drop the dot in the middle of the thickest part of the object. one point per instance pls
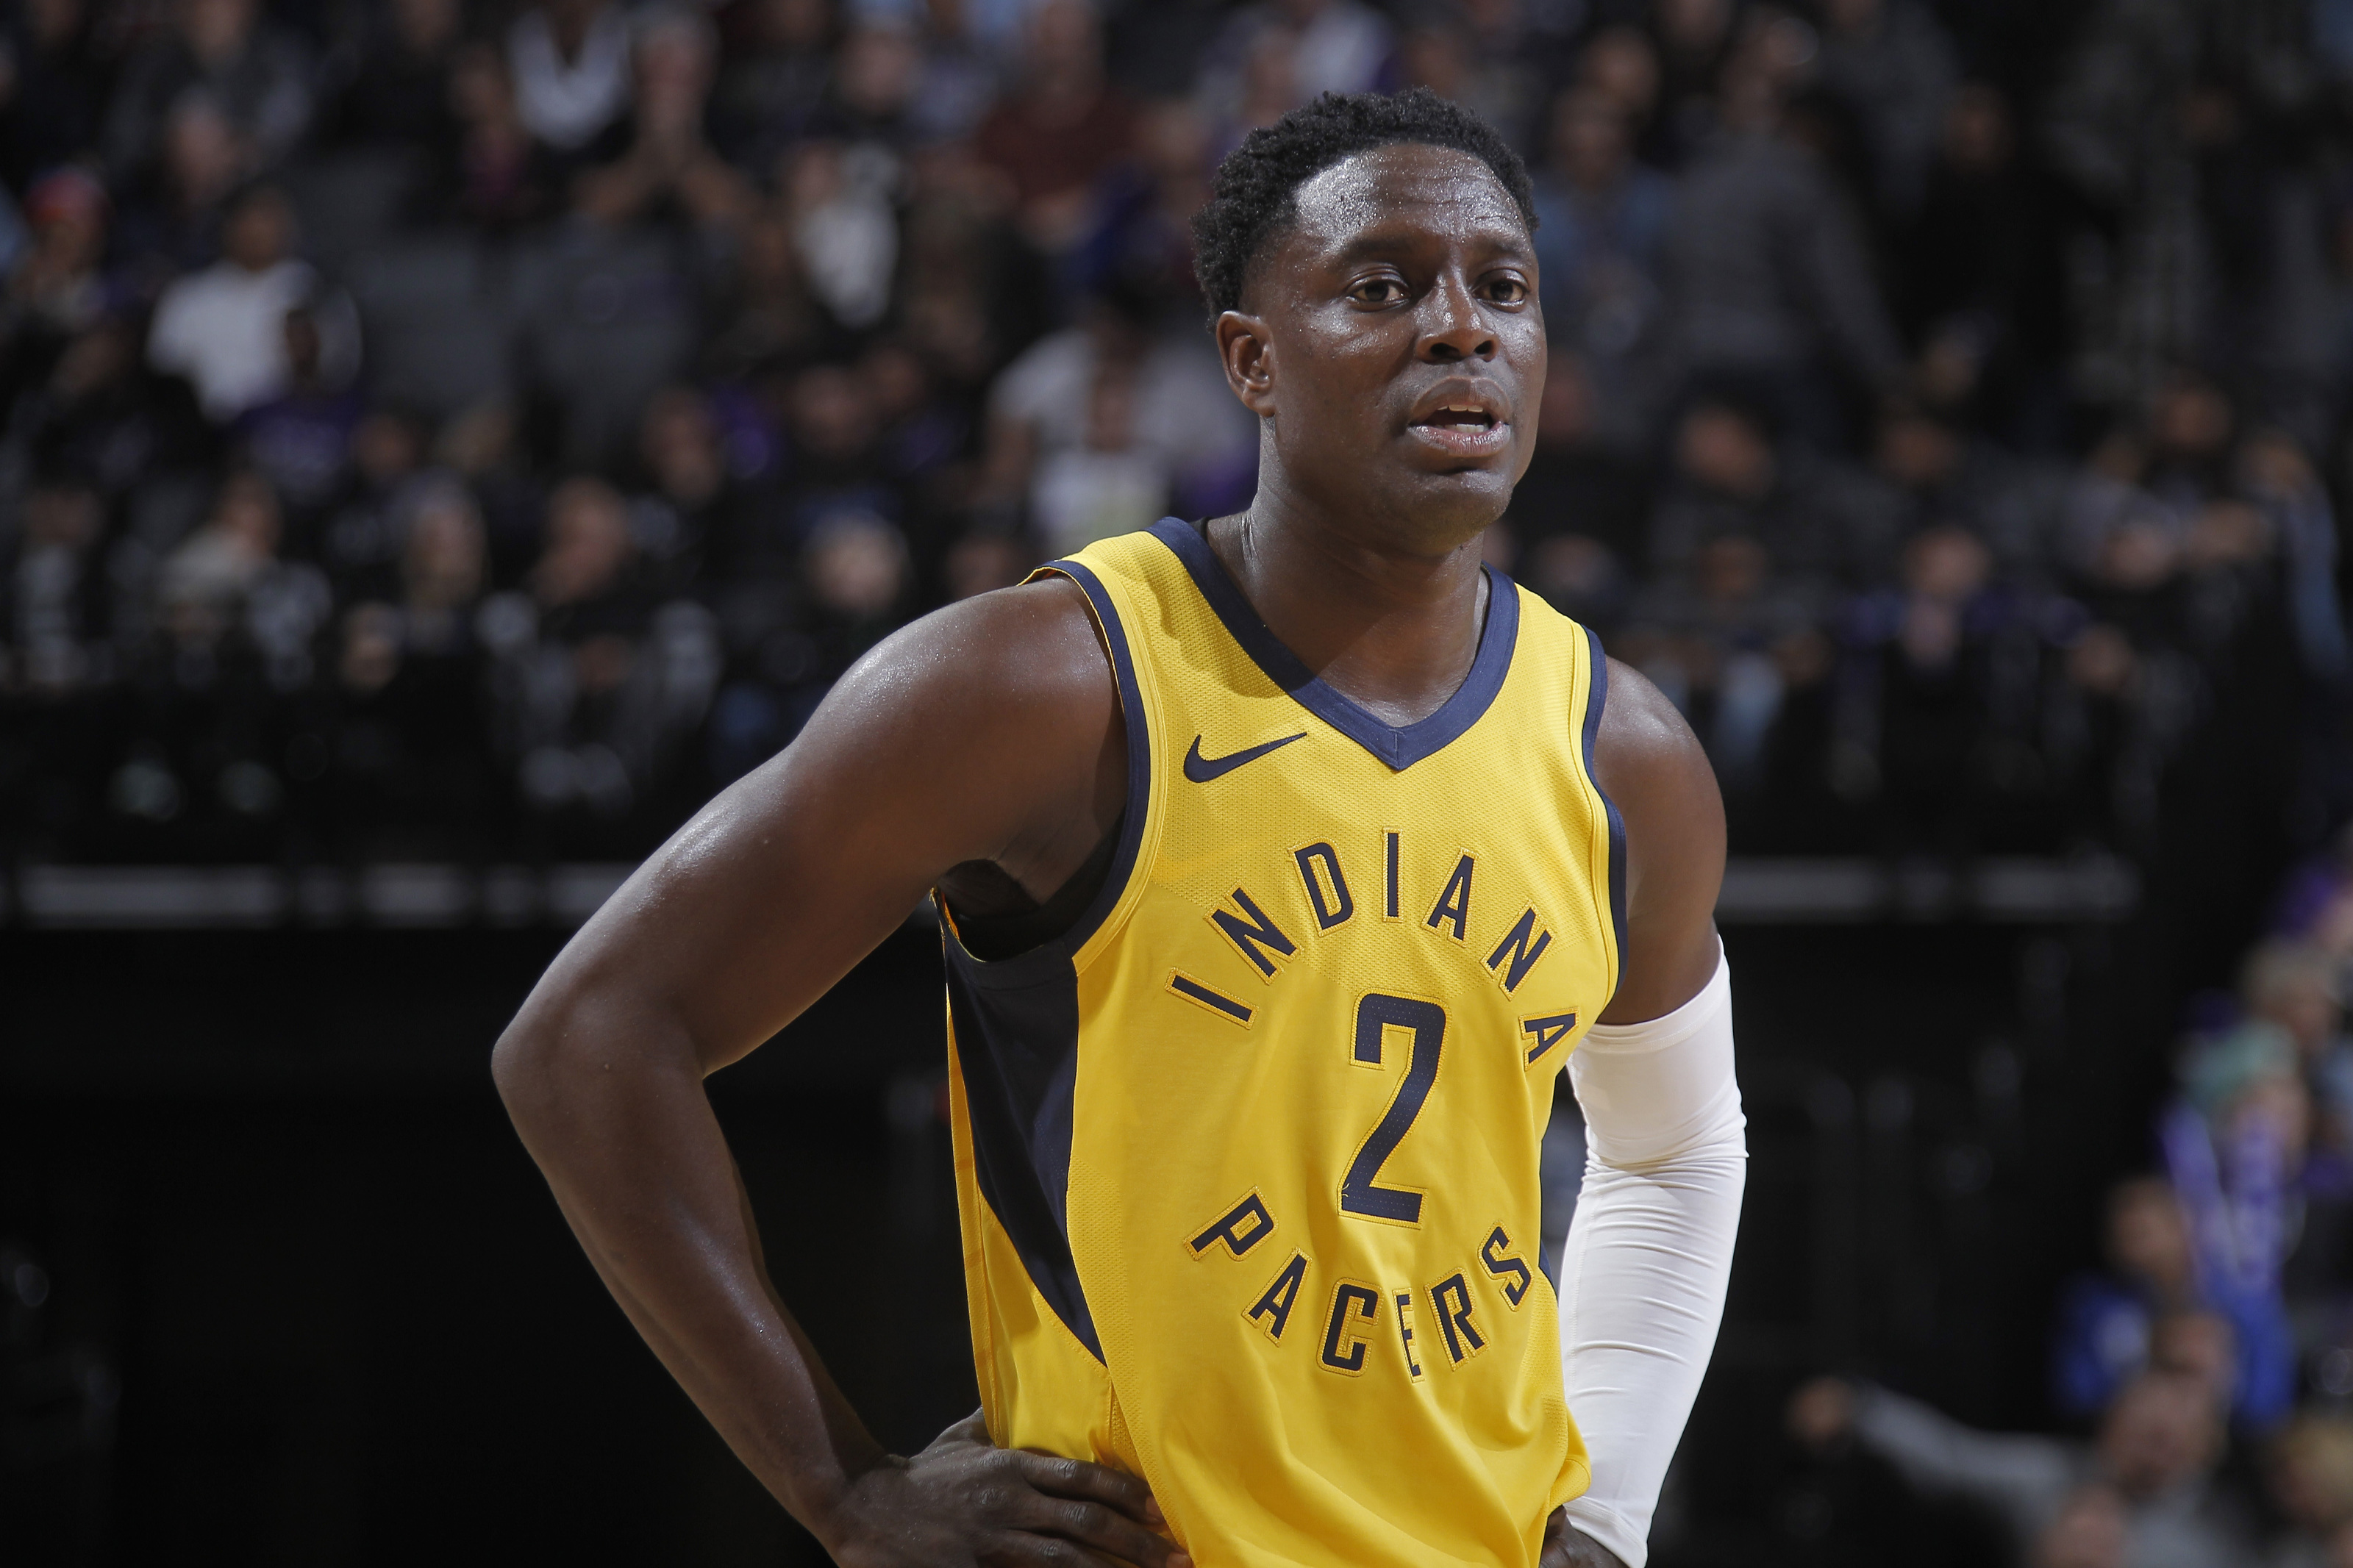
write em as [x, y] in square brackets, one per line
[566, 102]
[225, 329]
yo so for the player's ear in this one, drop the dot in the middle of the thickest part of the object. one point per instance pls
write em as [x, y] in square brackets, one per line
[1247, 349]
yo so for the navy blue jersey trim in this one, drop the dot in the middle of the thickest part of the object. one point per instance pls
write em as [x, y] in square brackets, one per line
[1400, 746]
[1017, 1034]
[1016, 1051]
[1596, 697]
[1044, 961]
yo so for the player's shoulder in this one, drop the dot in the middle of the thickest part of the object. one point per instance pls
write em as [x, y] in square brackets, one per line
[1022, 656]
[1644, 737]
[1651, 765]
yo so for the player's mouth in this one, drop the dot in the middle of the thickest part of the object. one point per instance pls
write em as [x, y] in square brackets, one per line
[1463, 421]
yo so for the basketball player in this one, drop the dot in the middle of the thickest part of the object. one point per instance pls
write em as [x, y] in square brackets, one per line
[1280, 875]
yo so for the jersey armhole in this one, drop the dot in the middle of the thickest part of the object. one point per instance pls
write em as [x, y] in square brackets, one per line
[1596, 698]
[1102, 917]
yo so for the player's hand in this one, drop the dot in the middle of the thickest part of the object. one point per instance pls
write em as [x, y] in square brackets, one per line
[965, 1503]
[1566, 1546]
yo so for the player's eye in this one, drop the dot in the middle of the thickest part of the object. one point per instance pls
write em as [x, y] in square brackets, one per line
[1507, 291]
[1377, 291]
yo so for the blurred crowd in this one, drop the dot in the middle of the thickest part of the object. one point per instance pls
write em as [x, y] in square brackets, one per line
[2208, 1365]
[458, 430]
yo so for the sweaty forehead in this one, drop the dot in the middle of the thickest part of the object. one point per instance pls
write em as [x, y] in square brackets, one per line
[1399, 194]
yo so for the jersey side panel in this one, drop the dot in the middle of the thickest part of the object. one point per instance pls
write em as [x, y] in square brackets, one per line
[1039, 1386]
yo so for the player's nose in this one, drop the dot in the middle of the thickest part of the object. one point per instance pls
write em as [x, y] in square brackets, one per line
[1452, 325]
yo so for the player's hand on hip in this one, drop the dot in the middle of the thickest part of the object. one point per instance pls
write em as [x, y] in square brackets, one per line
[965, 1503]
[1566, 1546]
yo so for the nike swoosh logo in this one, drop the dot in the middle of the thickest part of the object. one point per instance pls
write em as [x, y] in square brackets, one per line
[1201, 769]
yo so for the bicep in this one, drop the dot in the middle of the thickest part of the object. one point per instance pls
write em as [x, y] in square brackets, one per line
[945, 744]
[1651, 765]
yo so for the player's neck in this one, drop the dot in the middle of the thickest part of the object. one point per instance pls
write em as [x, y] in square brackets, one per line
[1394, 631]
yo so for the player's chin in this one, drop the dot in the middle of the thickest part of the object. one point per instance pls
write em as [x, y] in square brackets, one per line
[1484, 486]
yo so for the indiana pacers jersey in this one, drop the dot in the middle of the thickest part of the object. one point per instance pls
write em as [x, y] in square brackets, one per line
[1247, 1159]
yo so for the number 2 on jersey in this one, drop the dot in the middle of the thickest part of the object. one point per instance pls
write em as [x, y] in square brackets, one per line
[1358, 1192]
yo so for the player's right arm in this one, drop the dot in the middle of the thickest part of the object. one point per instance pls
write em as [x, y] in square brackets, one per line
[989, 732]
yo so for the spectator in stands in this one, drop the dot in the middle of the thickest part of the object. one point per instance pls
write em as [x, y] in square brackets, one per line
[1726, 640]
[762, 316]
[1692, 42]
[1581, 510]
[1601, 243]
[53, 81]
[922, 434]
[598, 684]
[1621, 63]
[204, 582]
[961, 74]
[363, 539]
[227, 591]
[844, 232]
[1481, 57]
[2234, 1148]
[1266, 89]
[1729, 476]
[2089, 1532]
[1920, 657]
[2183, 149]
[1890, 62]
[2150, 1310]
[873, 100]
[567, 650]
[396, 89]
[1771, 287]
[666, 165]
[856, 569]
[570, 60]
[225, 328]
[59, 287]
[171, 219]
[300, 440]
[1061, 129]
[258, 77]
[56, 605]
[2311, 1481]
[1926, 470]
[1322, 45]
[2156, 1449]
[497, 175]
[1985, 291]
[2294, 993]
[444, 567]
[1181, 409]
[1144, 229]
[1111, 482]
[403, 751]
[2277, 475]
[103, 420]
[835, 431]
[774, 79]
[690, 502]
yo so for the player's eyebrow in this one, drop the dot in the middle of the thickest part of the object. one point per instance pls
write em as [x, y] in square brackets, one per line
[1395, 240]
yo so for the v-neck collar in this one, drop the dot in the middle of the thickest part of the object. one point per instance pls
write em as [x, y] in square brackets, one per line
[1400, 746]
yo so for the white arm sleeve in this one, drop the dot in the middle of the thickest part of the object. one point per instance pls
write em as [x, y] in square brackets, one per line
[1643, 1271]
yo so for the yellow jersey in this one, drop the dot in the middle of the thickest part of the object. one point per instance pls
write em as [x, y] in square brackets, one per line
[1247, 1160]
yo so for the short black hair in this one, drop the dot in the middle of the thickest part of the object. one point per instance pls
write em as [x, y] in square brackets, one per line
[1252, 199]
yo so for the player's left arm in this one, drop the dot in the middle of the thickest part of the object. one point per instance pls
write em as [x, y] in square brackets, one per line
[1644, 1272]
